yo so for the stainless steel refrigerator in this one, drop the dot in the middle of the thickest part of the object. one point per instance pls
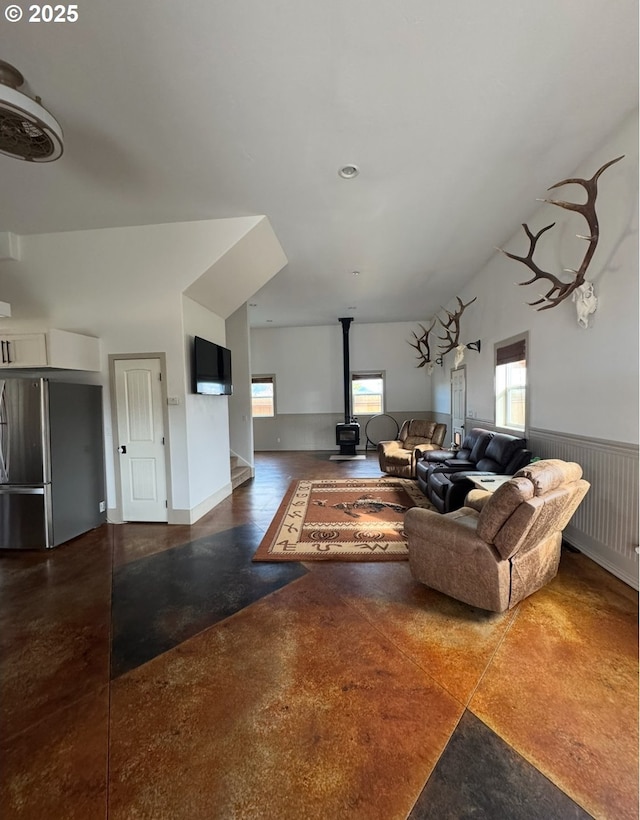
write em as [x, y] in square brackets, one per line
[52, 484]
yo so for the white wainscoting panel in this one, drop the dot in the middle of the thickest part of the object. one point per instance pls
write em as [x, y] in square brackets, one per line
[605, 525]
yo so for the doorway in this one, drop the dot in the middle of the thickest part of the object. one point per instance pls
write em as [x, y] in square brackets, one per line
[139, 437]
[458, 403]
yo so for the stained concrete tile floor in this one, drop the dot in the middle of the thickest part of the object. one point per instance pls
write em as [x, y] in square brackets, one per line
[150, 671]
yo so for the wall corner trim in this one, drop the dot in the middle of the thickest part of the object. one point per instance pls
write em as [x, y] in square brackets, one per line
[182, 516]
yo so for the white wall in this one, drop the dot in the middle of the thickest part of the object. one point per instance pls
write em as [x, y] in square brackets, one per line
[308, 365]
[387, 346]
[207, 417]
[581, 382]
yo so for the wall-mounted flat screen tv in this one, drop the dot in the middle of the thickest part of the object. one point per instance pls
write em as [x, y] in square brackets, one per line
[211, 368]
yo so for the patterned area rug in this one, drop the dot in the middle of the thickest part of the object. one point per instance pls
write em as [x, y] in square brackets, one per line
[342, 520]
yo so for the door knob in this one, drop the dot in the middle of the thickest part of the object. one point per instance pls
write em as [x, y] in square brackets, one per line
[122, 449]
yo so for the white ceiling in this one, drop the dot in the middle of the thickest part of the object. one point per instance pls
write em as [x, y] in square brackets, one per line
[459, 114]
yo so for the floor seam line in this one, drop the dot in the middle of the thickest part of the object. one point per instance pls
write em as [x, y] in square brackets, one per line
[489, 663]
[395, 645]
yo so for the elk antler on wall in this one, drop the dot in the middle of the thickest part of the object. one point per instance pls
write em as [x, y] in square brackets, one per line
[451, 338]
[452, 326]
[422, 345]
[559, 290]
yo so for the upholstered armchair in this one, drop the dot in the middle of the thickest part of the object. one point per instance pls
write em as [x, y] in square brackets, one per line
[416, 436]
[500, 547]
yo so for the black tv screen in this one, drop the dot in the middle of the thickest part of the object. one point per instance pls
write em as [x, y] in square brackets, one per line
[211, 368]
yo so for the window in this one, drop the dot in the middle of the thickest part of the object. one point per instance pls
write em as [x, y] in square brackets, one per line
[367, 393]
[511, 383]
[263, 396]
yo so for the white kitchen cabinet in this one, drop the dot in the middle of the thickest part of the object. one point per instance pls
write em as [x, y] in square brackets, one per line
[23, 349]
[51, 348]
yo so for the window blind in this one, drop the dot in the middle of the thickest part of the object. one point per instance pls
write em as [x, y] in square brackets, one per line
[514, 352]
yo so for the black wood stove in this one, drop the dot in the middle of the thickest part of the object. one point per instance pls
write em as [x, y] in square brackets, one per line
[347, 432]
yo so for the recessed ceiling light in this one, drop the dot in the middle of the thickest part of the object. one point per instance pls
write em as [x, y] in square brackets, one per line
[349, 171]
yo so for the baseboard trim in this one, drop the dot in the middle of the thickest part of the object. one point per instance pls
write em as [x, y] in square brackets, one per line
[114, 516]
[188, 517]
[624, 569]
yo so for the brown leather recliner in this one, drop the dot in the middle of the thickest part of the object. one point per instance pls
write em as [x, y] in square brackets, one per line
[500, 547]
[399, 457]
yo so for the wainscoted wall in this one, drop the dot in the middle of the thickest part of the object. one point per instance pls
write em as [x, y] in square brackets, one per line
[311, 431]
[605, 526]
[296, 431]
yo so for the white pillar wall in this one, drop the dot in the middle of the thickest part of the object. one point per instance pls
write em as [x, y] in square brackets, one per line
[240, 422]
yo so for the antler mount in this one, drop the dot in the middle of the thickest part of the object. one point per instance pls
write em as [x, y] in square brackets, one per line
[422, 345]
[451, 327]
[558, 290]
[451, 338]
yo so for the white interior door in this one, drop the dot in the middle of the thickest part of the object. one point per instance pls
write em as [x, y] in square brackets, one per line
[140, 430]
[458, 403]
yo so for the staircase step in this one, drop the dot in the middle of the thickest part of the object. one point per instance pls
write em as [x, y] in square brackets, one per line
[239, 475]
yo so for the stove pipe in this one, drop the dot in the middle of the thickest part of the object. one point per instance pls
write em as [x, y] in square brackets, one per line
[345, 364]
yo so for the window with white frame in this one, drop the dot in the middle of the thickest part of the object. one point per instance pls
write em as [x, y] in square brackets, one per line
[367, 393]
[511, 383]
[263, 396]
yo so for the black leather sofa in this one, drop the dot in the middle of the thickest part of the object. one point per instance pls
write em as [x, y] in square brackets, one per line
[443, 475]
[471, 451]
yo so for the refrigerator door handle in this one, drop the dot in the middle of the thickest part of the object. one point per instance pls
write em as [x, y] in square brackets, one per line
[9, 489]
[4, 435]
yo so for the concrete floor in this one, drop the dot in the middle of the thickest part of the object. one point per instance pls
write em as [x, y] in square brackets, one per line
[153, 671]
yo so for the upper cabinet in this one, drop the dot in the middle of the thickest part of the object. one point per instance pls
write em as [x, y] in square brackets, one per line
[53, 348]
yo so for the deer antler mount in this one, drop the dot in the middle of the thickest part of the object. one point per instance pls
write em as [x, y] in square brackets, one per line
[558, 290]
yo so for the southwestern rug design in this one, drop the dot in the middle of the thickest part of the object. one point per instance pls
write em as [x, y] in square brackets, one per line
[358, 519]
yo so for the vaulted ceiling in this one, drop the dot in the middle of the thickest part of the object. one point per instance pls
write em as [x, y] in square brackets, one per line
[458, 115]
